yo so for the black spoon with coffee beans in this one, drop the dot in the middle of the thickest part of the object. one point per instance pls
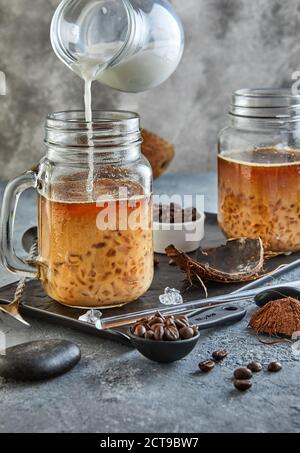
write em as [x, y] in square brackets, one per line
[205, 319]
[172, 351]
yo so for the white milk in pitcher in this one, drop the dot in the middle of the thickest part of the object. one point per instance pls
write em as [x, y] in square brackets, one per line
[136, 73]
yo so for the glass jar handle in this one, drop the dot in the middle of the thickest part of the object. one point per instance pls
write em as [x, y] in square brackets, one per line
[11, 197]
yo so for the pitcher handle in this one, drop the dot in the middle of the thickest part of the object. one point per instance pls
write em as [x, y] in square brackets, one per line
[12, 193]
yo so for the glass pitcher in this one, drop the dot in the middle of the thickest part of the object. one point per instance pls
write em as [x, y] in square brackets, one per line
[95, 248]
[129, 45]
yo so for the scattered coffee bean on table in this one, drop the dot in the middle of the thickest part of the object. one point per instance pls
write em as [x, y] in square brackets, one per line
[243, 374]
[165, 328]
[207, 366]
[242, 386]
[274, 367]
[172, 263]
[255, 367]
[220, 355]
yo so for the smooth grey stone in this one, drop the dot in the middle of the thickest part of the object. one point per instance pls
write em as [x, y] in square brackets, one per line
[39, 360]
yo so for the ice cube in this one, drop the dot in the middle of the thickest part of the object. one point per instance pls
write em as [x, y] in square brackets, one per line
[171, 297]
[92, 317]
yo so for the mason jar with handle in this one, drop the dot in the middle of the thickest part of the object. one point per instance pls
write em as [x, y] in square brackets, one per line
[95, 247]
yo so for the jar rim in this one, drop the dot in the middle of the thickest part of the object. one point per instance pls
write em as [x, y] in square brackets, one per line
[109, 129]
[265, 103]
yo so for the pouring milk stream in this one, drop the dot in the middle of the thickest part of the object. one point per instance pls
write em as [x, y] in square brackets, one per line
[2, 84]
[129, 45]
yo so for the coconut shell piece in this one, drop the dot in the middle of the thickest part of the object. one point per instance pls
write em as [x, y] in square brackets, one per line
[158, 151]
[240, 260]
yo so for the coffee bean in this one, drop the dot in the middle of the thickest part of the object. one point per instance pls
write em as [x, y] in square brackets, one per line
[155, 320]
[183, 319]
[196, 330]
[207, 366]
[140, 331]
[172, 263]
[149, 335]
[170, 323]
[154, 326]
[274, 367]
[219, 355]
[179, 324]
[191, 215]
[159, 315]
[143, 321]
[242, 386]
[159, 332]
[255, 367]
[186, 333]
[171, 334]
[243, 374]
[170, 318]
[137, 324]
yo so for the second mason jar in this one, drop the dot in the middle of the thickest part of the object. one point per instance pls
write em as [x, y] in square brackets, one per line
[259, 169]
[95, 211]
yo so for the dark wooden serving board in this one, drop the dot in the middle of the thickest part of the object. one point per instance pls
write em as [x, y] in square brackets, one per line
[37, 304]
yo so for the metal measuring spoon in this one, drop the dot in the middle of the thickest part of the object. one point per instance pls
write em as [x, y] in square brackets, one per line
[270, 295]
[12, 309]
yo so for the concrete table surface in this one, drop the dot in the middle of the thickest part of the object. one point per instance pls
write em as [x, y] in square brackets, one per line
[115, 390]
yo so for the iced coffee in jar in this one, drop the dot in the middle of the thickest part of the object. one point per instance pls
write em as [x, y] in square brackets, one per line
[95, 211]
[259, 169]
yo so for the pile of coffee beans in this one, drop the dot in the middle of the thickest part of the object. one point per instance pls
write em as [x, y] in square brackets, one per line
[165, 328]
[174, 213]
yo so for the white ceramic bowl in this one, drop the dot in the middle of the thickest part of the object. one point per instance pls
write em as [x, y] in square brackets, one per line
[184, 236]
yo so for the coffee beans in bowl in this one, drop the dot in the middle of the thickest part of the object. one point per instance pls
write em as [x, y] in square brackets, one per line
[164, 339]
[182, 227]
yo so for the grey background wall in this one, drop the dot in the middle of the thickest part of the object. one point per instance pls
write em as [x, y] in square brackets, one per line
[230, 44]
